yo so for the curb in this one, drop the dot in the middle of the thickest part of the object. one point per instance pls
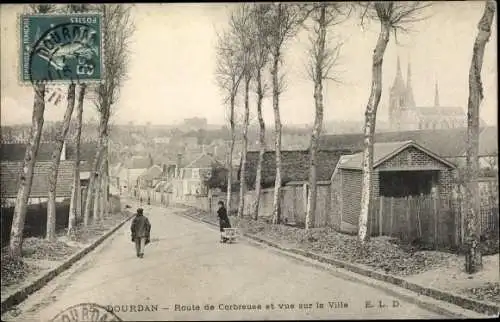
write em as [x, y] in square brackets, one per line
[27, 290]
[482, 307]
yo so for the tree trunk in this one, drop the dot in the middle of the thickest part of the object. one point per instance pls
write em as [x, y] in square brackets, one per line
[97, 198]
[54, 167]
[104, 185]
[277, 139]
[26, 176]
[262, 146]
[241, 205]
[318, 120]
[473, 216]
[230, 161]
[369, 129]
[75, 207]
[103, 124]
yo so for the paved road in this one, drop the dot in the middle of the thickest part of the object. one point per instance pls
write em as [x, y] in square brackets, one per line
[185, 265]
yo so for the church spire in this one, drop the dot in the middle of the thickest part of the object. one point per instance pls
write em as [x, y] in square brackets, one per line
[409, 90]
[436, 95]
[398, 80]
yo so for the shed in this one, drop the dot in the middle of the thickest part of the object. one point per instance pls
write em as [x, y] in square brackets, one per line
[400, 170]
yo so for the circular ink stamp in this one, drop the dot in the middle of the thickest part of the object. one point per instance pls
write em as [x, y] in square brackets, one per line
[86, 312]
[61, 49]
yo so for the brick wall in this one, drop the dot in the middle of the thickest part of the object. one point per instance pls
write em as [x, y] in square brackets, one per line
[412, 158]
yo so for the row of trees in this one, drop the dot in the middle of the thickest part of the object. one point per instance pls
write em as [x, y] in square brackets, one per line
[253, 45]
[117, 28]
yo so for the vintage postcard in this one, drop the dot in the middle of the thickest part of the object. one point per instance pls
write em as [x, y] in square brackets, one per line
[249, 161]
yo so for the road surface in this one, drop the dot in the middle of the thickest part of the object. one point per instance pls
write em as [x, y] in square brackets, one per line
[186, 274]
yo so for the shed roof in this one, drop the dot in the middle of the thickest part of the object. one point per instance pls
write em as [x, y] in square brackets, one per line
[295, 166]
[9, 179]
[383, 152]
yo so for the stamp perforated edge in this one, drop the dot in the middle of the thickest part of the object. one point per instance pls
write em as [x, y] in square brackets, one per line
[24, 83]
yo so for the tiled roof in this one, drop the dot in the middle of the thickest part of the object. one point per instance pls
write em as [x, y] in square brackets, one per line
[295, 166]
[10, 171]
[444, 142]
[382, 152]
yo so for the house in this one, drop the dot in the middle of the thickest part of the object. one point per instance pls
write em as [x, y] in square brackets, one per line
[131, 171]
[401, 170]
[150, 177]
[295, 182]
[193, 178]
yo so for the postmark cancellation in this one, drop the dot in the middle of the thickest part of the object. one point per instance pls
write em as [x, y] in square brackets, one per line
[61, 48]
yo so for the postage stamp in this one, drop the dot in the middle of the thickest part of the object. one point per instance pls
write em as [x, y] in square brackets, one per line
[86, 312]
[61, 48]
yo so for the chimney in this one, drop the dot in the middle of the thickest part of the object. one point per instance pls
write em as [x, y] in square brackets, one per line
[63, 151]
[215, 151]
[164, 169]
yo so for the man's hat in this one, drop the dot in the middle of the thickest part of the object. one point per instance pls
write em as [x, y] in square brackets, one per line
[140, 210]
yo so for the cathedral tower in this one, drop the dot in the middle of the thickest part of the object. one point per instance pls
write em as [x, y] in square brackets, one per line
[410, 100]
[397, 99]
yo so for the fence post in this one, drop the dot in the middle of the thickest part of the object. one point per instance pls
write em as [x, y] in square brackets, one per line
[380, 216]
[408, 218]
[419, 222]
[392, 214]
[436, 220]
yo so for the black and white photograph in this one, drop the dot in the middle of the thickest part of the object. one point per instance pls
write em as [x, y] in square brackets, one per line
[249, 161]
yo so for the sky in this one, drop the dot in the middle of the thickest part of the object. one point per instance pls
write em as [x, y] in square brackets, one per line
[172, 65]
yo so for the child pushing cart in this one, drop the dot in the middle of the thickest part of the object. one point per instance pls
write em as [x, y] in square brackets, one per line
[226, 232]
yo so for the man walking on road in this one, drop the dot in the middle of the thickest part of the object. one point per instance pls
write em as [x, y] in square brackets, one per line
[140, 229]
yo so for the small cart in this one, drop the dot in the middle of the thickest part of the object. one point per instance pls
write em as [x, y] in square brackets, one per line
[230, 234]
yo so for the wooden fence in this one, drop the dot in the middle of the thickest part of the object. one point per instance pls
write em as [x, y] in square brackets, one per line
[431, 220]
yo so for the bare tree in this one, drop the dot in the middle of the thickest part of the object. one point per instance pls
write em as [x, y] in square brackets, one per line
[240, 25]
[26, 176]
[323, 59]
[54, 166]
[75, 204]
[260, 58]
[118, 29]
[285, 21]
[229, 73]
[473, 261]
[392, 16]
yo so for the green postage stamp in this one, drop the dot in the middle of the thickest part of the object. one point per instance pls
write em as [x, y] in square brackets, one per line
[61, 48]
